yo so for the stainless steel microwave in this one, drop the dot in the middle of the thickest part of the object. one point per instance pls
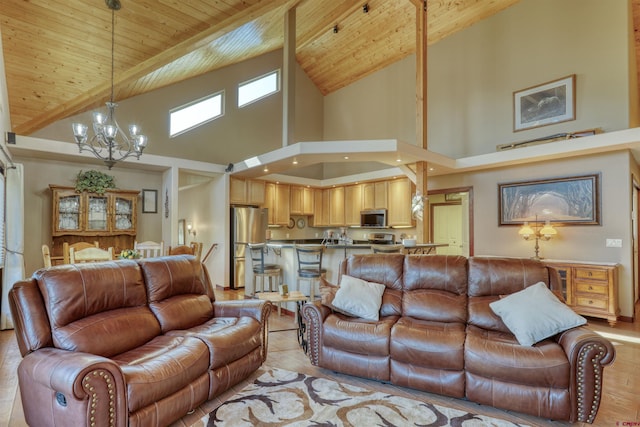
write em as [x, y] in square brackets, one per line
[374, 218]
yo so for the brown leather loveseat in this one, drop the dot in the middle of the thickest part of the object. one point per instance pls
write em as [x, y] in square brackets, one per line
[130, 343]
[437, 332]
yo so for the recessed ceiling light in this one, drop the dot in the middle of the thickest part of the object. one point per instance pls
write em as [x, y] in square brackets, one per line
[398, 160]
[266, 169]
[346, 157]
[295, 162]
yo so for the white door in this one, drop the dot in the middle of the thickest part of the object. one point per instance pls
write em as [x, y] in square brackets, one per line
[447, 228]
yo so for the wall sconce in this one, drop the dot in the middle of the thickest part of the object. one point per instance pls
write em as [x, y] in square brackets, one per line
[190, 229]
[545, 233]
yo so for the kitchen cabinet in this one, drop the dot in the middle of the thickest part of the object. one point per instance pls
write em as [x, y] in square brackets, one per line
[109, 218]
[374, 195]
[590, 289]
[352, 204]
[246, 192]
[399, 212]
[321, 200]
[276, 199]
[302, 200]
[336, 207]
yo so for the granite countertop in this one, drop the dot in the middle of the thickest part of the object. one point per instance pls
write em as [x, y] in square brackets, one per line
[355, 245]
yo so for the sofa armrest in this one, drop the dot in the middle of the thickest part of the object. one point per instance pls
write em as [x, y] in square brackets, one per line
[72, 388]
[314, 314]
[257, 309]
[588, 353]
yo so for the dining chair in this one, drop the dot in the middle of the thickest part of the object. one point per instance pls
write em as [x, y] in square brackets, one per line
[149, 249]
[310, 266]
[46, 256]
[91, 254]
[66, 248]
[195, 249]
[387, 249]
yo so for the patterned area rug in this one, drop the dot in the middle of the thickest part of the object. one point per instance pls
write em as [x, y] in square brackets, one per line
[284, 398]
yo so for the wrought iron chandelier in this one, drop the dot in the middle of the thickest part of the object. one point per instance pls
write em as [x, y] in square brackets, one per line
[109, 142]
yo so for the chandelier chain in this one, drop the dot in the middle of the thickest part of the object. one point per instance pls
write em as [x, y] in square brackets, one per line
[109, 142]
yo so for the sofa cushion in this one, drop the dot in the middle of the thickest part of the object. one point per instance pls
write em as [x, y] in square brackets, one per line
[179, 292]
[490, 277]
[386, 269]
[535, 313]
[435, 288]
[358, 336]
[228, 338]
[87, 302]
[499, 356]
[437, 345]
[359, 298]
[161, 367]
[327, 295]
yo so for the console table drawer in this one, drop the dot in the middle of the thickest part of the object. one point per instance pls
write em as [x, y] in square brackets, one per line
[591, 274]
[592, 288]
[592, 302]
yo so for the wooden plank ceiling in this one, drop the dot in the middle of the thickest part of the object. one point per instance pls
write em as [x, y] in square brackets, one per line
[57, 53]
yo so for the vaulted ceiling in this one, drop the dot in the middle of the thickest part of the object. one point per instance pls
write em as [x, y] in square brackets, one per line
[57, 53]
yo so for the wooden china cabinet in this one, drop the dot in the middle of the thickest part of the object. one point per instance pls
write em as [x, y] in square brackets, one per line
[109, 218]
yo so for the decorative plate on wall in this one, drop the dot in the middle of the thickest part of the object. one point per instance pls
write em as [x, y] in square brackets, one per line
[301, 223]
[291, 224]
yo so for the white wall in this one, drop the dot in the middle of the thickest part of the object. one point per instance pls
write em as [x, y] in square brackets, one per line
[229, 139]
[38, 201]
[472, 76]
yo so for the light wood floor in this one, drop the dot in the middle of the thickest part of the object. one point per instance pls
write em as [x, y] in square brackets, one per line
[620, 403]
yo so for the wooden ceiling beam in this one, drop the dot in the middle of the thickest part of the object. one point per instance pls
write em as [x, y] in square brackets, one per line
[199, 41]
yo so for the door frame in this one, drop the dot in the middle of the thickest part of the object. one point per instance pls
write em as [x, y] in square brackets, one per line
[468, 190]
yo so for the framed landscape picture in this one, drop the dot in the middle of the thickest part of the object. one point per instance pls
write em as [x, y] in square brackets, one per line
[545, 104]
[563, 201]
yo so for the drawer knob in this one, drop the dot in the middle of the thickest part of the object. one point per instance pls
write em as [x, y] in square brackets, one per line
[590, 288]
[590, 274]
[590, 301]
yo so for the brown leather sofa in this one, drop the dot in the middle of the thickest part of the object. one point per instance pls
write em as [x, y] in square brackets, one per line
[130, 343]
[437, 333]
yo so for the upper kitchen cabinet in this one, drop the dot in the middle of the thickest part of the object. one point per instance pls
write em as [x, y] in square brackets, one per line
[322, 203]
[352, 204]
[246, 192]
[276, 199]
[374, 195]
[336, 208]
[302, 200]
[399, 211]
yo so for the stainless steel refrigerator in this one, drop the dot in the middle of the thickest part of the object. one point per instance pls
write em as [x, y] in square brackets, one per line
[248, 225]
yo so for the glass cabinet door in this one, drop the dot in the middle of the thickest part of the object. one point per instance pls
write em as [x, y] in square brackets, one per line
[124, 213]
[97, 213]
[69, 213]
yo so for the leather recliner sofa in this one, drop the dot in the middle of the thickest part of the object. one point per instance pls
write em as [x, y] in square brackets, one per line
[437, 333]
[130, 343]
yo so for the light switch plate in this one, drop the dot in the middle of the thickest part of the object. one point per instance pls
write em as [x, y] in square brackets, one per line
[613, 243]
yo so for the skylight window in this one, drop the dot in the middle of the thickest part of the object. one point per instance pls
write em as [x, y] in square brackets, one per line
[187, 117]
[258, 88]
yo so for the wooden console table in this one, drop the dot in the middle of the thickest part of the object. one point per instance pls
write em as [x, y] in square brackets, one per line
[590, 289]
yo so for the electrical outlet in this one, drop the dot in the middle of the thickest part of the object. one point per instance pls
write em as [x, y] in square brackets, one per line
[613, 243]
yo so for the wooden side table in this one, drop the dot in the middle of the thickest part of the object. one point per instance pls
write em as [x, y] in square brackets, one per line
[294, 296]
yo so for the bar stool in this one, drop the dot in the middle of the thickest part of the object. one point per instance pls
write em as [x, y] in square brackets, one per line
[262, 270]
[387, 249]
[310, 266]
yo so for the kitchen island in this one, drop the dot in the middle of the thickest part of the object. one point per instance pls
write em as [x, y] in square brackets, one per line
[283, 253]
